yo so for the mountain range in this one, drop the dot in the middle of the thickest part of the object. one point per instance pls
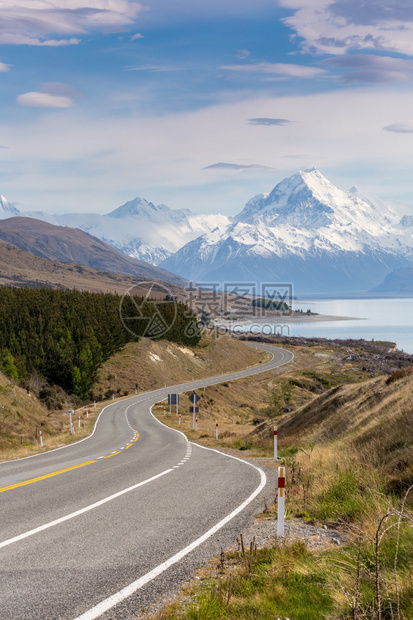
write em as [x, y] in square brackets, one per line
[305, 231]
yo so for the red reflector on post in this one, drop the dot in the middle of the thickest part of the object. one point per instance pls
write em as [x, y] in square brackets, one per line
[281, 483]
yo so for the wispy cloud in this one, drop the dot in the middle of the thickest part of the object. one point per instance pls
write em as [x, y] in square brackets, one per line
[277, 68]
[137, 36]
[4, 67]
[365, 68]
[406, 127]
[29, 22]
[154, 68]
[336, 26]
[280, 122]
[44, 100]
[226, 166]
[51, 95]
[243, 54]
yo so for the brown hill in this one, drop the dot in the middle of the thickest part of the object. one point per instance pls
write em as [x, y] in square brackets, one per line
[21, 268]
[70, 245]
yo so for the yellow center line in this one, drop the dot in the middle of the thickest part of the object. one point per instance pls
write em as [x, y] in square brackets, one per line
[109, 455]
[55, 473]
[128, 446]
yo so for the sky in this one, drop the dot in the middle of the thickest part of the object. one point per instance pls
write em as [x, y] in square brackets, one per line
[201, 104]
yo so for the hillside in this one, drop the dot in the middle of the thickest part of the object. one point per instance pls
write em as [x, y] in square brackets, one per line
[399, 281]
[345, 438]
[22, 268]
[70, 245]
[145, 364]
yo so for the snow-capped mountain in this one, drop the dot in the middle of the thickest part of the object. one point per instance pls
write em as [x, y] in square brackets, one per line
[139, 228]
[305, 231]
[7, 209]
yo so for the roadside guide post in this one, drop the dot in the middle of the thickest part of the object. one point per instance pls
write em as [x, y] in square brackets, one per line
[275, 443]
[41, 439]
[72, 430]
[216, 431]
[194, 398]
[173, 399]
[280, 503]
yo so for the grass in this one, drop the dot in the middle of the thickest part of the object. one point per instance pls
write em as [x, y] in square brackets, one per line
[139, 366]
[348, 456]
[288, 581]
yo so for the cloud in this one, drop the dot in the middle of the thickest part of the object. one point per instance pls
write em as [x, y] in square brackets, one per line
[137, 36]
[337, 26]
[109, 159]
[30, 22]
[277, 68]
[51, 95]
[44, 100]
[243, 54]
[154, 68]
[4, 67]
[372, 69]
[224, 166]
[280, 122]
[406, 127]
[20, 39]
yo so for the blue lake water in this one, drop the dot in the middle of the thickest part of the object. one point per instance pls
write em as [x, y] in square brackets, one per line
[381, 319]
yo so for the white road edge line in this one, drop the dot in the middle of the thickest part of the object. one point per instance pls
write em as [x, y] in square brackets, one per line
[123, 594]
[161, 390]
[72, 515]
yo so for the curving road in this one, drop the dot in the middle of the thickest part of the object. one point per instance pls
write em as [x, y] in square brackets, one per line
[103, 527]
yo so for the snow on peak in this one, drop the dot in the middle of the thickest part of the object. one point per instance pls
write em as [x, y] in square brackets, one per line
[139, 206]
[6, 209]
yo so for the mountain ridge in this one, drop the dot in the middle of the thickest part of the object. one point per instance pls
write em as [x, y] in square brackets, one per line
[307, 232]
[72, 245]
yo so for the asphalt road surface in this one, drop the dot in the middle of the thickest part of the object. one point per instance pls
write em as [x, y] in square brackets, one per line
[104, 527]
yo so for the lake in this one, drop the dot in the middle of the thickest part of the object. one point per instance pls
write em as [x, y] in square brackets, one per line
[381, 319]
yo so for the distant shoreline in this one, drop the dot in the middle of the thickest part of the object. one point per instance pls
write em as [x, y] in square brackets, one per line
[281, 319]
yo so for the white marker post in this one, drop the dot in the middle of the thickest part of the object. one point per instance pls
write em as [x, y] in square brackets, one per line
[280, 504]
[164, 410]
[113, 397]
[79, 421]
[196, 424]
[193, 418]
[179, 420]
[41, 439]
[87, 413]
[70, 411]
[275, 443]
[216, 431]
[94, 404]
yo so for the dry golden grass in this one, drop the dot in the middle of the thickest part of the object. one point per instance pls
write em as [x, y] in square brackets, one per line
[148, 365]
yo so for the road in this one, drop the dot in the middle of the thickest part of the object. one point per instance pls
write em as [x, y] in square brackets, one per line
[103, 527]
